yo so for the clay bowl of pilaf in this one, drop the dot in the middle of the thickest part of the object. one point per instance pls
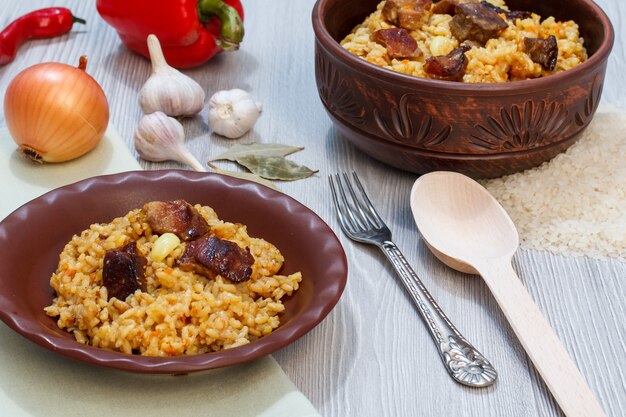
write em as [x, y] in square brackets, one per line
[395, 111]
[34, 236]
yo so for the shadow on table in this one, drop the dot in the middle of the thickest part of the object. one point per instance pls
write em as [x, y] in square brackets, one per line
[133, 70]
[36, 382]
[55, 175]
[33, 46]
[326, 379]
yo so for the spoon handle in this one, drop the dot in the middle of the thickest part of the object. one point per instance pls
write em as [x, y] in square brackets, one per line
[465, 363]
[540, 341]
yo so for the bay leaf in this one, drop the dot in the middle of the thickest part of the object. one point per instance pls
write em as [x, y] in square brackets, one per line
[245, 176]
[261, 149]
[275, 167]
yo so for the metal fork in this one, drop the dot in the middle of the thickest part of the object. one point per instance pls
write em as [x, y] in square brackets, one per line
[360, 221]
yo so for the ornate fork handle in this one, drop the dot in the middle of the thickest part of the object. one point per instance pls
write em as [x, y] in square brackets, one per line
[464, 362]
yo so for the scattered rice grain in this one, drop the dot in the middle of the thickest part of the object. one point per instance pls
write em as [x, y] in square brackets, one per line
[574, 204]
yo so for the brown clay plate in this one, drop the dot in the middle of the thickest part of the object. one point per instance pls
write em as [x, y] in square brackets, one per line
[33, 236]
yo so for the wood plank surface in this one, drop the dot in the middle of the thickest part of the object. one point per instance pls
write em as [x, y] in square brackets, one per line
[372, 356]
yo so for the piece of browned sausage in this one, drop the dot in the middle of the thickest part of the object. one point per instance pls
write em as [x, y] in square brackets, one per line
[449, 67]
[398, 42]
[211, 256]
[447, 6]
[476, 22]
[408, 14]
[123, 271]
[542, 51]
[510, 15]
[178, 217]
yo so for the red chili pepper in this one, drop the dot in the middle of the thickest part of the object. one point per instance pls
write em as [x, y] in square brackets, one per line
[190, 31]
[42, 23]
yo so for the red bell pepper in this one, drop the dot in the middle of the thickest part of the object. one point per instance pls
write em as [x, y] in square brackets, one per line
[190, 31]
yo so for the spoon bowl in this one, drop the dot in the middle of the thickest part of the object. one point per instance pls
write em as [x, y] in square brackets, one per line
[452, 262]
[467, 229]
[447, 206]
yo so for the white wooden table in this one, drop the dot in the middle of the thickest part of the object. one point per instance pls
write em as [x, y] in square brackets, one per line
[372, 356]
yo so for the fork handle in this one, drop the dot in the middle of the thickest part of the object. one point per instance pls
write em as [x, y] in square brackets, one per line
[463, 362]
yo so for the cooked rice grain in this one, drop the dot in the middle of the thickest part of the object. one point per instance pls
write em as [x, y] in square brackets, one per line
[181, 313]
[501, 59]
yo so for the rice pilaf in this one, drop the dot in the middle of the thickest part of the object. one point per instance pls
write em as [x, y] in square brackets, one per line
[180, 313]
[500, 59]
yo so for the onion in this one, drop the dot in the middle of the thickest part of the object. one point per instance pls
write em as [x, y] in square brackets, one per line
[55, 112]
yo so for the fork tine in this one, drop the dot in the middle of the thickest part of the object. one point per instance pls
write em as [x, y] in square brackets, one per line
[340, 208]
[368, 204]
[366, 220]
[356, 223]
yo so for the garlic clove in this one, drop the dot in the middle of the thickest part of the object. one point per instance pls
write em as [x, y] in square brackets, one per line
[169, 90]
[232, 113]
[162, 138]
[163, 246]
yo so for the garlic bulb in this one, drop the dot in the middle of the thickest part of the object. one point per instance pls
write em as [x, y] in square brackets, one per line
[232, 113]
[162, 138]
[169, 90]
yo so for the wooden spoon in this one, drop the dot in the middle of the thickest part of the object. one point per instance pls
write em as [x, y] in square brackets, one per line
[468, 230]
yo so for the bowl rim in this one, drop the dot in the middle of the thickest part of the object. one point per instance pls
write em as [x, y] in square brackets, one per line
[66, 345]
[505, 88]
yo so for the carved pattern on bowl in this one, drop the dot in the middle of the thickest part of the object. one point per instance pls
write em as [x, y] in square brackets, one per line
[338, 93]
[408, 127]
[528, 126]
[583, 117]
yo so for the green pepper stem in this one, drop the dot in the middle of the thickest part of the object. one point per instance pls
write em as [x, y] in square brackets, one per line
[232, 31]
[76, 19]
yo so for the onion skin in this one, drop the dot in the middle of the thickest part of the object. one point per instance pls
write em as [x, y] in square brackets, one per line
[55, 112]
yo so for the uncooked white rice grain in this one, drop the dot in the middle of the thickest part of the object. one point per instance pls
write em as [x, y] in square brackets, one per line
[574, 204]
